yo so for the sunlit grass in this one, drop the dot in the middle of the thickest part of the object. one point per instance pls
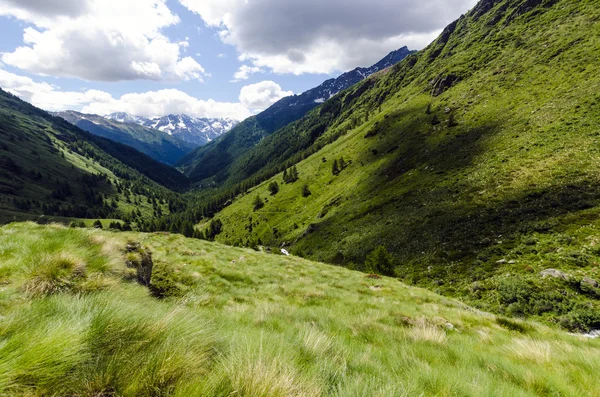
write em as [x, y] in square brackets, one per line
[243, 323]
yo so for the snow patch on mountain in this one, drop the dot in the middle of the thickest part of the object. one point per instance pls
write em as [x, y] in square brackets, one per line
[198, 131]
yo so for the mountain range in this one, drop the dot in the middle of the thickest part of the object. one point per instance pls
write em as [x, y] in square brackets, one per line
[156, 144]
[213, 160]
[197, 131]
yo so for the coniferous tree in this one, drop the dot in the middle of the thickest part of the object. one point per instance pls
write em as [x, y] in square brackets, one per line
[305, 191]
[274, 188]
[258, 203]
[335, 168]
[187, 229]
[97, 224]
[198, 234]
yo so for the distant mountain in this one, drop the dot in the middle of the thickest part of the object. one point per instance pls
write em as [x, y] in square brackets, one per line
[158, 145]
[214, 158]
[198, 131]
[331, 87]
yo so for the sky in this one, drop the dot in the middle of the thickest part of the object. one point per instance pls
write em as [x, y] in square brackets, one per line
[204, 58]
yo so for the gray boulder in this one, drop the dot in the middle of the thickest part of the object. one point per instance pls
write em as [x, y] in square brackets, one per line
[590, 281]
[555, 273]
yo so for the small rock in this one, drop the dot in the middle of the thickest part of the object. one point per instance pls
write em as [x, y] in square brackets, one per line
[512, 262]
[590, 281]
[449, 326]
[502, 261]
[284, 252]
[555, 273]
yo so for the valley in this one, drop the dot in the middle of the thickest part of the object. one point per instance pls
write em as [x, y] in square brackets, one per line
[425, 226]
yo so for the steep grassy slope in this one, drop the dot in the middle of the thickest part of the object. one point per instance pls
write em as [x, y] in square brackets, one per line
[474, 163]
[156, 144]
[221, 321]
[50, 167]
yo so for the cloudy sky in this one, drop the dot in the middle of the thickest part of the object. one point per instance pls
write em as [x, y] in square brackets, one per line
[206, 58]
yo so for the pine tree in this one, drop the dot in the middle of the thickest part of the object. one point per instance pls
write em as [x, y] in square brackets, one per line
[198, 234]
[335, 168]
[342, 163]
[305, 191]
[187, 229]
[258, 203]
[97, 224]
[273, 188]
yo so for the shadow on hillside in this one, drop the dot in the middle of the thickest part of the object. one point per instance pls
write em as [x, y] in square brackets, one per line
[429, 220]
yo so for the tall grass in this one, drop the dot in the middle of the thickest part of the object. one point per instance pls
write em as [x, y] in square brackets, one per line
[253, 324]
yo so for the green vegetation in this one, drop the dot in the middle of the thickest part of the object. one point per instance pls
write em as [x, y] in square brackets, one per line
[474, 162]
[51, 170]
[225, 321]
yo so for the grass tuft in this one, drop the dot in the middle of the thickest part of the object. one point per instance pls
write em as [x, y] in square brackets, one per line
[54, 274]
[531, 350]
[428, 333]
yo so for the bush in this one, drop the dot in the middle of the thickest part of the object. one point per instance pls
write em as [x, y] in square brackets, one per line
[380, 261]
[165, 282]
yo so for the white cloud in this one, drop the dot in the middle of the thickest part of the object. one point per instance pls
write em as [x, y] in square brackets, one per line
[163, 102]
[252, 98]
[100, 40]
[316, 36]
[244, 73]
[262, 95]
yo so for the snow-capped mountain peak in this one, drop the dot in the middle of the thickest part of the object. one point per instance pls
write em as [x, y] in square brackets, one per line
[122, 117]
[199, 131]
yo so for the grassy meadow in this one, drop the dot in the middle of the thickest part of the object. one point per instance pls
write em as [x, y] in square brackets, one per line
[222, 321]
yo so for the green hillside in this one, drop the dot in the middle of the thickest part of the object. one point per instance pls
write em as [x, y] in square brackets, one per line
[221, 321]
[156, 144]
[48, 167]
[473, 162]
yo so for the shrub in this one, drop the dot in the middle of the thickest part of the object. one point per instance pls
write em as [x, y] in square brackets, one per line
[165, 282]
[380, 261]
